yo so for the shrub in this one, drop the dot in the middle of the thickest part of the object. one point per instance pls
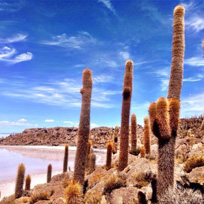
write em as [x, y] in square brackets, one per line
[193, 162]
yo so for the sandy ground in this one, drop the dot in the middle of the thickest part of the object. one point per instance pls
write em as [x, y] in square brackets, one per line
[36, 159]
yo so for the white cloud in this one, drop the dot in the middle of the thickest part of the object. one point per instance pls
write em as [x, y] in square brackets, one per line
[93, 125]
[69, 122]
[64, 93]
[125, 55]
[49, 120]
[196, 23]
[108, 5]
[7, 55]
[74, 42]
[194, 61]
[199, 77]
[16, 38]
[192, 105]
[22, 120]
[102, 78]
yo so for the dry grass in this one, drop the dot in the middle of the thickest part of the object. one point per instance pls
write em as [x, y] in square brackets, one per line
[73, 193]
[95, 179]
[143, 178]
[45, 195]
[113, 182]
[194, 161]
[66, 182]
[93, 198]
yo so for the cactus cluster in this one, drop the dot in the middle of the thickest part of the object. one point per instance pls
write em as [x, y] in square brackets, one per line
[164, 119]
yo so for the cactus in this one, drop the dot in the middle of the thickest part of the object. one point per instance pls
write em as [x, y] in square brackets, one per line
[84, 128]
[115, 140]
[49, 173]
[19, 181]
[147, 138]
[27, 182]
[92, 162]
[124, 136]
[133, 133]
[164, 119]
[202, 125]
[142, 151]
[66, 155]
[178, 46]
[109, 147]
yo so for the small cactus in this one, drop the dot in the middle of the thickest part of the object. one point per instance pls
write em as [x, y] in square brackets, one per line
[142, 151]
[109, 147]
[27, 182]
[133, 133]
[126, 103]
[49, 173]
[92, 162]
[66, 155]
[147, 143]
[84, 128]
[19, 181]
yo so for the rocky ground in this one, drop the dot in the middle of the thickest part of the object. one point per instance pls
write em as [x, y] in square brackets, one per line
[137, 180]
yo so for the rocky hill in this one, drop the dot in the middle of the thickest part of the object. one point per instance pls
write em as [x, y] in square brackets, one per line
[189, 132]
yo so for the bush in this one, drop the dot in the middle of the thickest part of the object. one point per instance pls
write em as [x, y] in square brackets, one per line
[193, 162]
[113, 182]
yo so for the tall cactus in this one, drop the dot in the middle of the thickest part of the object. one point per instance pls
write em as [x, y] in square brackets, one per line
[84, 128]
[66, 155]
[49, 173]
[19, 181]
[178, 46]
[127, 94]
[164, 119]
[133, 133]
[92, 162]
[27, 182]
[147, 138]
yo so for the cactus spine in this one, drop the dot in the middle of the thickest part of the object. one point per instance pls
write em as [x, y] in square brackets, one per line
[27, 182]
[147, 136]
[84, 128]
[124, 137]
[164, 119]
[49, 173]
[133, 133]
[109, 147]
[19, 181]
[66, 155]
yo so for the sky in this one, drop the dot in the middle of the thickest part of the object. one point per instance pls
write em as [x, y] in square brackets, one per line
[46, 44]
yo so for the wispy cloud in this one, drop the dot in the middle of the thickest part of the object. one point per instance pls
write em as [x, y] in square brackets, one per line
[192, 105]
[62, 93]
[125, 55]
[11, 7]
[108, 4]
[198, 77]
[196, 23]
[75, 42]
[103, 78]
[49, 120]
[13, 39]
[22, 120]
[6, 123]
[8, 55]
[194, 61]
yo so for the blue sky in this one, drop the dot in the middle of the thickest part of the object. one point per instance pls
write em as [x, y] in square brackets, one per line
[46, 44]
